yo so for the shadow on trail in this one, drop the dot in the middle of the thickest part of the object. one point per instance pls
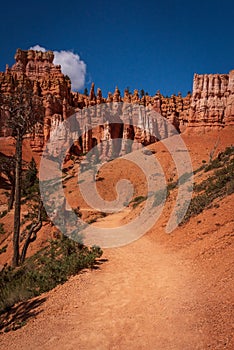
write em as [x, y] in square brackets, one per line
[98, 263]
[18, 315]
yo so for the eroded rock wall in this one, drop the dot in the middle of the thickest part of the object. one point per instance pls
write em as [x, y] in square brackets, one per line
[211, 105]
[35, 70]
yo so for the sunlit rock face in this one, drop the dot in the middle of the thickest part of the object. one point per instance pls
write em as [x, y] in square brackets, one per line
[35, 71]
[211, 105]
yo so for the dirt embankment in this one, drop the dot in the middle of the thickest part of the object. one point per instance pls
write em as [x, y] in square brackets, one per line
[163, 291]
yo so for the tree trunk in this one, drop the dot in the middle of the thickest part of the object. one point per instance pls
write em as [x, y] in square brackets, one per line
[32, 234]
[18, 171]
[12, 196]
[30, 238]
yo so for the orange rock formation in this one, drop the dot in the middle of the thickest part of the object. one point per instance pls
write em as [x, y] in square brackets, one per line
[211, 105]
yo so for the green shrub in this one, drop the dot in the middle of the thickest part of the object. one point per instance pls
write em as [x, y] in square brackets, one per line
[46, 269]
[197, 205]
[228, 151]
[216, 163]
[172, 185]
[220, 184]
[30, 181]
[221, 159]
[137, 200]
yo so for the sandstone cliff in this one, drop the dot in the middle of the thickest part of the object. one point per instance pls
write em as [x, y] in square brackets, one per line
[211, 105]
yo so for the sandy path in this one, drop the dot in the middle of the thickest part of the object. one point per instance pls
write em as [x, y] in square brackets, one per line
[142, 298]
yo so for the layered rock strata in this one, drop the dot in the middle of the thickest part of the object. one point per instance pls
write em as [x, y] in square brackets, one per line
[211, 105]
[212, 102]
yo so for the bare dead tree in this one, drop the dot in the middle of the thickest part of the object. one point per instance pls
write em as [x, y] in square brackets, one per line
[212, 152]
[32, 233]
[24, 110]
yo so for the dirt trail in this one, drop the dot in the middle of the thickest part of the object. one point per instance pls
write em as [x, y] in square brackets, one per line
[162, 292]
[141, 298]
[158, 293]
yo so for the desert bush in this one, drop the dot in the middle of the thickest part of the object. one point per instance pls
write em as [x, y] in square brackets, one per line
[197, 205]
[172, 185]
[137, 200]
[221, 159]
[30, 181]
[44, 270]
[220, 184]
[214, 164]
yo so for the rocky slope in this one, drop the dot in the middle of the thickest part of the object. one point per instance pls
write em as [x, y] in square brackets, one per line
[160, 292]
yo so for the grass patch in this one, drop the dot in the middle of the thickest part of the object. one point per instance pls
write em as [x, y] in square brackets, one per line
[46, 269]
[219, 185]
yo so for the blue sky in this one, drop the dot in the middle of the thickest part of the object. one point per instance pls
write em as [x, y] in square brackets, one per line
[150, 45]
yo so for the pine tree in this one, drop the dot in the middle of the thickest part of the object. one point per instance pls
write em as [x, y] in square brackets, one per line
[24, 111]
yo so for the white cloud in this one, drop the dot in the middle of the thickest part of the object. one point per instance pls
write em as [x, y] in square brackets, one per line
[37, 48]
[71, 65]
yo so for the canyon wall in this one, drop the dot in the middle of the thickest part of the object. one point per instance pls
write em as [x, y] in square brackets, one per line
[212, 102]
[211, 105]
